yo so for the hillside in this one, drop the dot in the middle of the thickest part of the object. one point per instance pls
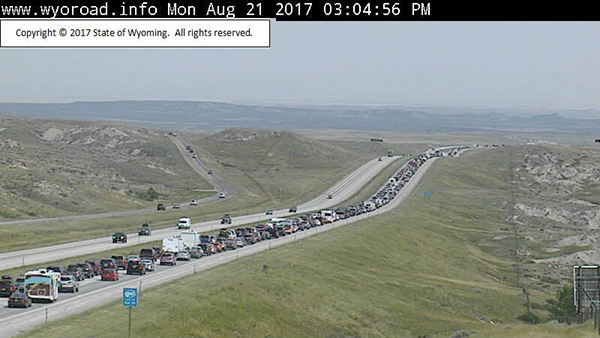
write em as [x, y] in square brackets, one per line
[53, 168]
[427, 269]
[279, 167]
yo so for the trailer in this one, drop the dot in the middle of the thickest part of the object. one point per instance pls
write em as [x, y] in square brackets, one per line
[42, 285]
[190, 238]
[173, 244]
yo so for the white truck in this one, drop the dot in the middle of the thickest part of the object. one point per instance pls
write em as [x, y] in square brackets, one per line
[190, 238]
[173, 244]
[184, 223]
[42, 285]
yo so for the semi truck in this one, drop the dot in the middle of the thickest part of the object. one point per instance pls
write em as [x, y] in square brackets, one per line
[42, 285]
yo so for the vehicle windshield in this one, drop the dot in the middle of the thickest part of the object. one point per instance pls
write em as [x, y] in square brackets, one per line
[65, 279]
[108, 271]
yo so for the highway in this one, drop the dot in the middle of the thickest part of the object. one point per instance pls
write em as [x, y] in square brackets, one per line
[341, 191]
[94, 292]
[196, 165]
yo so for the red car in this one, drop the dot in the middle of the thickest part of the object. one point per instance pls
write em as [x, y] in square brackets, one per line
[109, 274]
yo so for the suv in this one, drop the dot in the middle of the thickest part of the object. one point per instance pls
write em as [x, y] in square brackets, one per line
[6, 286]
[108, 263]
[120, 262]
[293, 209]
[144, 230]
[148, 253]
[68, 283]
[160, 207]
[119, 237]
[135, 267]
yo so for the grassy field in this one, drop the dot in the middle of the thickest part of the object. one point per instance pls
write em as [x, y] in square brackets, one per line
[283, 168]
[59, 168]
[427, 269]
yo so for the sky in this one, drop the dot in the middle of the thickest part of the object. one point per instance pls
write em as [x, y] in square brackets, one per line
[479, 64]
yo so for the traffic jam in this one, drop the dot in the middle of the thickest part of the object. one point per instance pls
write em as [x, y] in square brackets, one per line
[45, 284]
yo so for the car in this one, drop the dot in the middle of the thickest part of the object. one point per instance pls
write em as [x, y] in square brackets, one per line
[135, 267]
[222, 195]
[76, 272]
[293, 209]
[130, 258]
[120, 262]
[87, 269]
[95, 267]
[210, 171]
[183, 256]
[168, 259]
[119, 237]
[250, 239]
[175, 206]
[195, 156]
[194, 203]
[148, 264]
[161, 206]
[145, 230]
[240, 242]
[68, 284]
[19, 299]
[230, 244]
[226, 219]
[7, 287]
[269, 212]
[330, 196]
[109, 274]
[196, 252]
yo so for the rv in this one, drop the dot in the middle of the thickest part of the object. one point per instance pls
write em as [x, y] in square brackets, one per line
[42, 285]
[190, 238]
[328, 216]
[173, 244]
[184, 223]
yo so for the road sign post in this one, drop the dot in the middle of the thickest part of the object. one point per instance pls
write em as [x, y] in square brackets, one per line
[130, 300]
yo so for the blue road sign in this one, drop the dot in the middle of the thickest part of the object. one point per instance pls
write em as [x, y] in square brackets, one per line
[130, 297]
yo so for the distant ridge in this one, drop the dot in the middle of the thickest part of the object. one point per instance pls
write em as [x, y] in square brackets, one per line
[213, 116]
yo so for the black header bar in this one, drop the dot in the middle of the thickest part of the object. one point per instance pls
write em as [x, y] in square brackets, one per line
[433, 10]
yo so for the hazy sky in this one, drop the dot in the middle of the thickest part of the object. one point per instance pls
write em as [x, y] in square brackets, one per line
[504, 64]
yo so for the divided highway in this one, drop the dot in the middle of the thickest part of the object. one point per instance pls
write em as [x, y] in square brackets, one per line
[340, 192]
[94, 292]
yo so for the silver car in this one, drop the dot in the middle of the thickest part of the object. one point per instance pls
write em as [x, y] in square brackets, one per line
[68, 283]
[183, 256]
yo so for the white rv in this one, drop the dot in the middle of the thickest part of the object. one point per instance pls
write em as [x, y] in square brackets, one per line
[328, 216]
[42, 285]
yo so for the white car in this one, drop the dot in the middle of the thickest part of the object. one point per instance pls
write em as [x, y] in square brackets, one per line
[222, 195]
[148, 264]
[194, 203]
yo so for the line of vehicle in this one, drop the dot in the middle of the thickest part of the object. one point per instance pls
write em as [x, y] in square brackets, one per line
[341, 191]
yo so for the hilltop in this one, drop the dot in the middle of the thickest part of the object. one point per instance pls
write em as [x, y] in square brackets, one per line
[53, 168]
